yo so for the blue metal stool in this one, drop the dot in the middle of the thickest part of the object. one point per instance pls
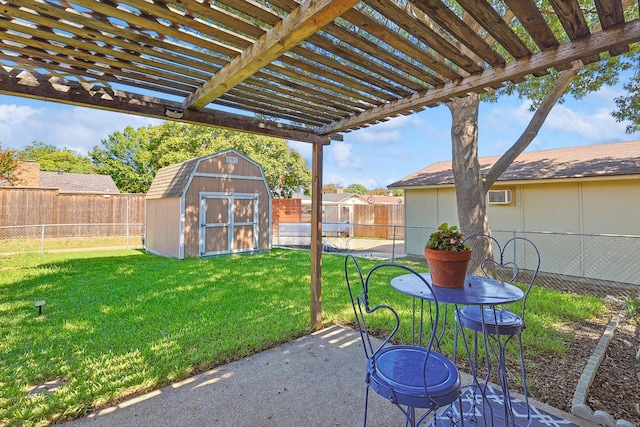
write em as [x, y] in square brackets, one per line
[498, 324]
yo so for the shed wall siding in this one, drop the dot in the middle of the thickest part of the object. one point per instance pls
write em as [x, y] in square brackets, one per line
[208, 179]
[163, 226]
[610, 206]
[428, 208]
[553, 207]
[219, 165]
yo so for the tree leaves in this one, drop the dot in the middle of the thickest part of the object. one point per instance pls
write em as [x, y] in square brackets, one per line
[133, 157]
[52, 159]
[8, 167]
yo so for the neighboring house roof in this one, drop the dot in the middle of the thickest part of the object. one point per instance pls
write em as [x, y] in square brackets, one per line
[341, 197]
[78, 182]
[620, 158]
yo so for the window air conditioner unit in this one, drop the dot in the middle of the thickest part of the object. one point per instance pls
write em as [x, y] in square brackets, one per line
[499, 197]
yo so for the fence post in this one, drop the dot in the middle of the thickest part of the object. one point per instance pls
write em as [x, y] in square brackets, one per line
[582, 255]
[127, 219]
[515, 249]
[393, 244]
[42, 239]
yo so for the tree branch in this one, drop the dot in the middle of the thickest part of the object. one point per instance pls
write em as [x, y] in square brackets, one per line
[538, 119]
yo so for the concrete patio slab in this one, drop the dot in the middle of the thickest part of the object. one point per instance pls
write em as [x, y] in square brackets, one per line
[317, 380]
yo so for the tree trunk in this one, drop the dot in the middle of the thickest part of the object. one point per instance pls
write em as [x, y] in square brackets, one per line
[471, 186]
[470, 192]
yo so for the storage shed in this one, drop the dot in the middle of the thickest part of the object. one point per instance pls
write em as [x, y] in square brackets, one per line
[216, 204]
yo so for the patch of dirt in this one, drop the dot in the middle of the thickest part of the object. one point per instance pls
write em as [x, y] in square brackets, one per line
[616, 387]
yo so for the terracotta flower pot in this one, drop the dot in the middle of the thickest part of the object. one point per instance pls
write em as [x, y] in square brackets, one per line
[448, 269]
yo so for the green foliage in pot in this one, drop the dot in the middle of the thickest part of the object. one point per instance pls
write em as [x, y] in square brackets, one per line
[447, 238]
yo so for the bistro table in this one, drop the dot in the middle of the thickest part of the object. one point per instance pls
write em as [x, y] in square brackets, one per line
[477, 290]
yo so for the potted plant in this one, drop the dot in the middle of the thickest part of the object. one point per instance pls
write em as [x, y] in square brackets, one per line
[448, 256]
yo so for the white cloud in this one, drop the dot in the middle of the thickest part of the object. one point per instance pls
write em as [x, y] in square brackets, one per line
[335, 178]
[14, 113]
[13, 118]
[598, 126]
[573, 123]
[504, 116]
[380, 137]
[389, 131]
[76, 128]
[339, 153]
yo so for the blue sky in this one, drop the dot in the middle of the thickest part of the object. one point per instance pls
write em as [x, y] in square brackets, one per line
[374, 157]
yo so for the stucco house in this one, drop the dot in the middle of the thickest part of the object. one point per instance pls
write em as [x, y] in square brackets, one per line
[593, 189]
[336, 207]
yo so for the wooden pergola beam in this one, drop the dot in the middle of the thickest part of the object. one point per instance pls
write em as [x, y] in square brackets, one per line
[593, 44]
[301, 23]
[35, 86]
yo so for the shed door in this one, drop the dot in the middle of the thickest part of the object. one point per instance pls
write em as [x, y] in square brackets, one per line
[228, 223]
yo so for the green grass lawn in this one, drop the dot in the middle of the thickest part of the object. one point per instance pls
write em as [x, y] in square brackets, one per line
[118, 323]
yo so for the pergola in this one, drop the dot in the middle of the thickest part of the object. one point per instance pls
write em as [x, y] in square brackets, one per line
[301, 70]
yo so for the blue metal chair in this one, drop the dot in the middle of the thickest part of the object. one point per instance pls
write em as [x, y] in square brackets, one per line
[410, 376]
[516, 261]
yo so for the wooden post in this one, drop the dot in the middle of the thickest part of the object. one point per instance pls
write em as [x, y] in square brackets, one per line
[316, 237]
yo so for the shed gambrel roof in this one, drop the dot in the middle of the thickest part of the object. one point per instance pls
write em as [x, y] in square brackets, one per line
[67, 182]
[172, 181]
[620, 158]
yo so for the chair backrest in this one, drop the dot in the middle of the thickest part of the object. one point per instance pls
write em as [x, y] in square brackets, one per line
[515, 260]
[359, 287]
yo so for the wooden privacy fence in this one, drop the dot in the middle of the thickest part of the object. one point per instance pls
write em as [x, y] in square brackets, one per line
[285, 210]
[384, 216]
[376, 221]
[36, 206]
[27, 206]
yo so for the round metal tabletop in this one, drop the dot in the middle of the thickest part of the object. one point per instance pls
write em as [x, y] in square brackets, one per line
[476, 290]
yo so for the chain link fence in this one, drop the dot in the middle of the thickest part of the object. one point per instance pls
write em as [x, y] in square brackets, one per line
[580, 263]
[61, 237]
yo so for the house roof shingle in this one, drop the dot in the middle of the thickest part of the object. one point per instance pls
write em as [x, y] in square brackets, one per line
[67, 182]
[620, 158]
